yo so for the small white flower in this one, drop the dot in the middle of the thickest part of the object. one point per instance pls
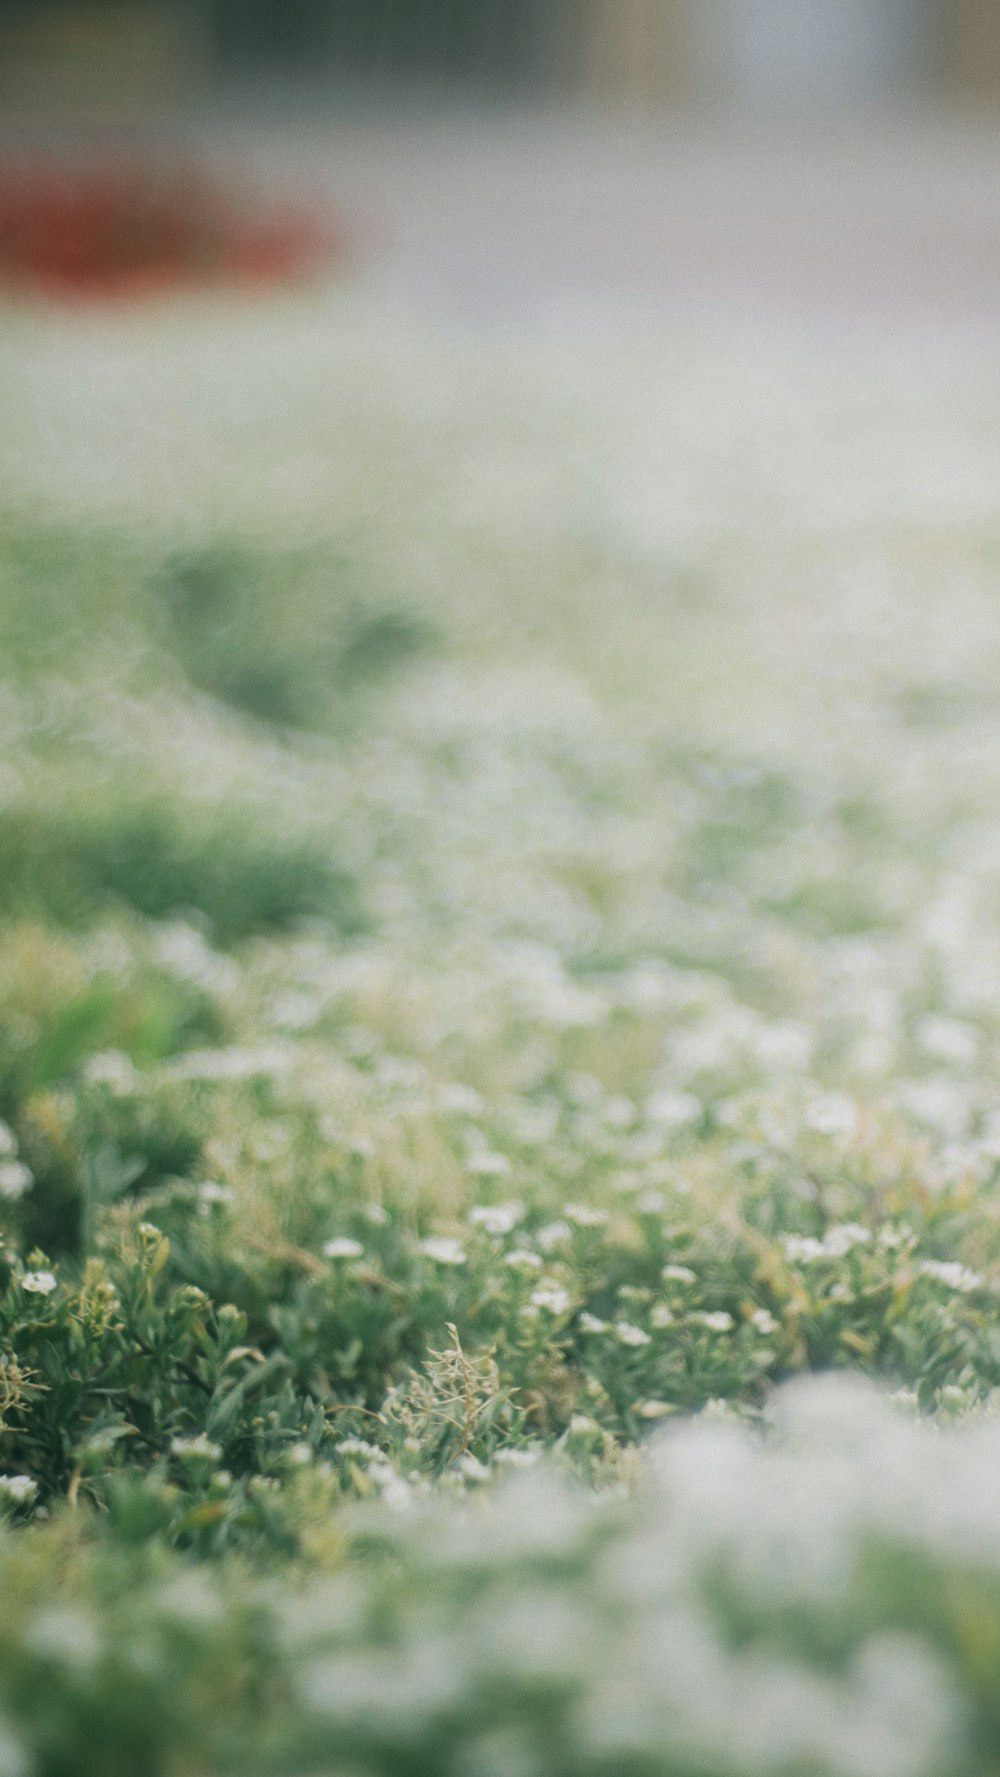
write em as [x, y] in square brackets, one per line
[111, 1068]
[521, 1258]
[582, 1426]
[662, 1317]
[802, 1249]
[395, 1491]
[831, 1113]
[949, 1272]
[839, 1240]
[950, 1040]
[591, 1323]
[343, 1247]
[673, 1110]
[487, 1165]
[15, 1179]
[8, 1140]
[552, 1235]
[300, 1454]
[497, 1218]
[764, 1321]
[18, 1490]
[627, 1334]
[471, 1469]
[358, 1447]
[552, 1298]
[443, 1250]
[716, 1320]
[39, 1283]
[210, 1192]
[525, 1457]
[891, 1238]
[464, 1100]
[585, 1215]
[678, 1274]
[198, 1449]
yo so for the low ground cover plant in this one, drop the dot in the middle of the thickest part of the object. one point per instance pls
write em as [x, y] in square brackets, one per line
[499, 1253]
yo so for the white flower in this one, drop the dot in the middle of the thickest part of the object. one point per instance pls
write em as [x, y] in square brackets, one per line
[358, 1447]
[627, 1334]
[947, 1039]
[464, 1100]
[396, 1492]
[343, 1247]
[471, 1469]
[891, 1238]
[831, 1113]
[839, 1240]
[591, 1323]
[585, 1215]
[802, 1249]
[673, 1109]
[678, 1274]
[582, 1426]
[497, 1218]
[443, 1250]
[39, 1283]
[487, 1165]
[229, 1064]
[553, 1298]
[199, 1449]
[210, 1192]
[552, 1235]
[524, 1457]
[8, 1140]
[949, 1272]
[521, 1258]
[111, 1068]
[19, 1490]
[716, 1320]
[662, 1317]
[15, 1179]
[764, 1321]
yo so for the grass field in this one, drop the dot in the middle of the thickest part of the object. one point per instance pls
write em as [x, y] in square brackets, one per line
[499, 986]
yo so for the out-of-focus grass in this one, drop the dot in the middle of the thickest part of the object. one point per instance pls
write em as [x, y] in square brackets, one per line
[499, 952]
[158, 858]
[283, 637]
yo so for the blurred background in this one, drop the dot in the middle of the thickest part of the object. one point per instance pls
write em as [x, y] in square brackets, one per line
[790, 53]
[509, 158]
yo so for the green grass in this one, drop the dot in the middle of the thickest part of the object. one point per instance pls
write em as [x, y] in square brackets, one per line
[491, 982]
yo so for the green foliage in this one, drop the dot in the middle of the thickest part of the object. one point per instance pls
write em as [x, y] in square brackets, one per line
[520, 995]
[285, 638]
[749, 1604]
[73, 864]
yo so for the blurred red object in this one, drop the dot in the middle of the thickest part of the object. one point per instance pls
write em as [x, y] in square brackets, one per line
[112, 231]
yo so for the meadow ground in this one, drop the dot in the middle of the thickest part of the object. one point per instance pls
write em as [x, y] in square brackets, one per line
[499, 981]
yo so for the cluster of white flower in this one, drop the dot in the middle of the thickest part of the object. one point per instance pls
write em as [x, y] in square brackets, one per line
[18, 1490]
[15, 1177]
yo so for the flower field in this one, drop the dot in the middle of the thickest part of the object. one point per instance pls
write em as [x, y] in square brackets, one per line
[499, 1051]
